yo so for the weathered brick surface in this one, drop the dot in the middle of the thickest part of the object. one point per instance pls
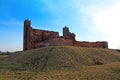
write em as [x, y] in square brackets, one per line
[34, 38]
[55, 42]
[103, 44]
[42, 35]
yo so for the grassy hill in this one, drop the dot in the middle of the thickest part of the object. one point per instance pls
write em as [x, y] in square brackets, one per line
[62, 63]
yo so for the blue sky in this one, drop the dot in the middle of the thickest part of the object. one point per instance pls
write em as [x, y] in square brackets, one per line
[90, 20]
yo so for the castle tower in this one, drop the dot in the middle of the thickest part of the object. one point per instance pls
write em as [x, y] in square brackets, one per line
[27, 32]
[105, 44]
[66, 33]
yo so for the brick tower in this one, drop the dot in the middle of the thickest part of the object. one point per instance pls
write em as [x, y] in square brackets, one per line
[66, 33]
[27, 32]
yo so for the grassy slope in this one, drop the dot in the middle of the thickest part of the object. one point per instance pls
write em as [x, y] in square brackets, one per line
[62, 63]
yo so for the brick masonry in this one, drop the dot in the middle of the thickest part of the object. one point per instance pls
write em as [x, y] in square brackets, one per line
[34, 38]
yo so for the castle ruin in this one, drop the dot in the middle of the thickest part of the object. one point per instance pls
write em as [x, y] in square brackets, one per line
[34, 38]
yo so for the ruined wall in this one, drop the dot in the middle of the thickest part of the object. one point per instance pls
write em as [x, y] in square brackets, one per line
[34, 38]
[92, 44]
[103, 44]
[55, 42]
[72, 37]
[38, 36]
[42, 35]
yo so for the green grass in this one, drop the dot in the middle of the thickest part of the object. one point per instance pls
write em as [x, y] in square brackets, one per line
[2, 57]
[61, 63]
[103, 72]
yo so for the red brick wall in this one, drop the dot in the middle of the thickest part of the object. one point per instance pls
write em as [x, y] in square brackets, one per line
[92, 44]
[42, 35]
[34, 38]
[55, 42]
[27, 35]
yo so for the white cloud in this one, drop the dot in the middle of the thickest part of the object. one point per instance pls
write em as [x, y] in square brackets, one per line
[108, 21]
[103, 19]
[99, 16]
